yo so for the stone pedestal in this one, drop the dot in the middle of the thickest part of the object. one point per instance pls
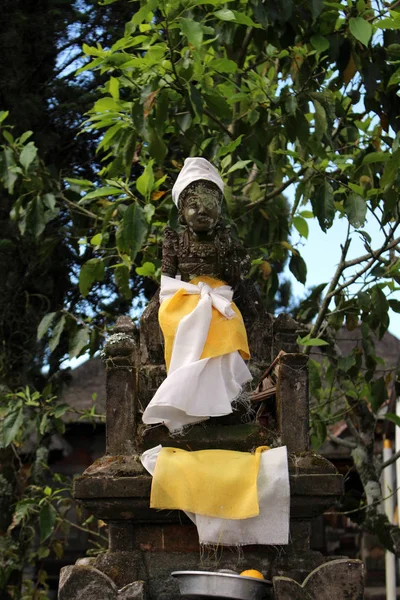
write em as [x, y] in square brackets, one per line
[145, 545]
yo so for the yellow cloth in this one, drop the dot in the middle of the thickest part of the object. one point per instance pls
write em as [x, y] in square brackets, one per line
[224, 336]
[216, 483]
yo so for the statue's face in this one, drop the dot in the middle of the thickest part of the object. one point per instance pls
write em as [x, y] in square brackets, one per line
[201, 206]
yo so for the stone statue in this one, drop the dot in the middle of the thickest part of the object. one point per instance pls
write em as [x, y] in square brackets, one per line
[204, 334]
[205, 246]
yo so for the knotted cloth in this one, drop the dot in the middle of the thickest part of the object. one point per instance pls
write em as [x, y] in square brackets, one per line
[205, 340]
[269, 527]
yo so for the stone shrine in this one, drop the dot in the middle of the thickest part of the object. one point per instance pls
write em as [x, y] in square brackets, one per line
[146, 545]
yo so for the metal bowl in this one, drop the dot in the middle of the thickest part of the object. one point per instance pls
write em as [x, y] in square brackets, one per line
[205, 584]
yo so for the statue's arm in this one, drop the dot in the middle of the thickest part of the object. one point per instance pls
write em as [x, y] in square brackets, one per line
[169, 264]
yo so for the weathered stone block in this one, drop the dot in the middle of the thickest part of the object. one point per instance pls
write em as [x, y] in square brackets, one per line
[341, 579]
[78, 582]
[133, 591]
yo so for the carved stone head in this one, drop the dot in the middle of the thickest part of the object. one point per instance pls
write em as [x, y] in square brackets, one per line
[199, 206]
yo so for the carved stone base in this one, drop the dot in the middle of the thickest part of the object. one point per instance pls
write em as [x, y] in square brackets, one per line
[341, 579]
[83, 581]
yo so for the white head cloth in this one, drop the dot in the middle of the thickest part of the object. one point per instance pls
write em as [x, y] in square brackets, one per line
[195, 168]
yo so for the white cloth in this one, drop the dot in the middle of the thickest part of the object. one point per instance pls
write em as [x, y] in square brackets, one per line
[195, 389]
[195, 168]
[270, 527]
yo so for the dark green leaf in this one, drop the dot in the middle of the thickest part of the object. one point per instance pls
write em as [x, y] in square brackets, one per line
[132, 231]
[391, 169]
[91, 271]
[378, 394]
[393, 418]
[320, 43]
[57, 331]
[121, 275]
[380, 303]
[78, 342]
[11, 426]
[321, 123]
[298, 267]
[356, 209]
[196, 100]
[323, 205]
[35, 219]
[395, 305]
[345, 363]
[47, 520]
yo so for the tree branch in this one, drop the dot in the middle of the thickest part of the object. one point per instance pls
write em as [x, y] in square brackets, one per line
[340, 442]
[277, 190]
[389, 461]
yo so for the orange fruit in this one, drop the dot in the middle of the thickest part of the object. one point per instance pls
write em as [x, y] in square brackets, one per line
[252, 573]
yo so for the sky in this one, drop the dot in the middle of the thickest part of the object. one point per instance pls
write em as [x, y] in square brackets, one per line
[321, 253]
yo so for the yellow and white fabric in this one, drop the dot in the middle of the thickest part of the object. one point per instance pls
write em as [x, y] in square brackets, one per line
[195, 168]
[211, 483]
[269, 527]
[205, 343]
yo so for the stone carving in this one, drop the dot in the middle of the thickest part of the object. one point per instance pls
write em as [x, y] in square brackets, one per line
[205, 246]
[78, 582]
[341, 579]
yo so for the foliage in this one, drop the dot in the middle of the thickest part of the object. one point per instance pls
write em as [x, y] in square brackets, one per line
[300, 94]
[35, 503]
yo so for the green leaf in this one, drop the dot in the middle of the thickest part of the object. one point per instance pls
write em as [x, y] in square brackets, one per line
[79, 341]
[374, 157]
[57, 331]
[345, 363]
[11, 426]
[147, 269]
[223, 65]
[47, 521]
[113, 87]
[307, 341]
[121, 276]
[323, 205]
[45, 324]
[378, 394]
[240, 164]
[361, 29]
[225, 14]
[3, 115]
[28, 155]
[301, 226]
[132, 231]
[145, 182]
[320, 43]
[100, 192]
[321, 123]
[298, 267]
[393, 418]
[380, 304]
[192, 30]
[356, 209]
[96, 239]
[91, 271]
[142, 13]
[395, 305]
[391, 169]
[35, 217]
